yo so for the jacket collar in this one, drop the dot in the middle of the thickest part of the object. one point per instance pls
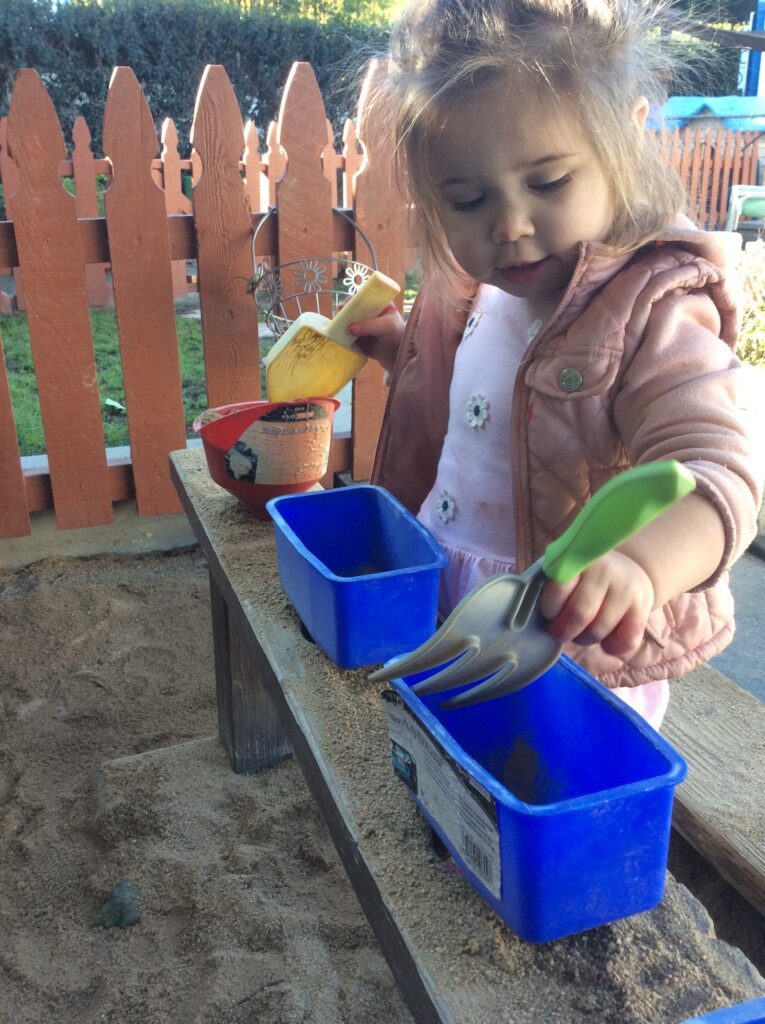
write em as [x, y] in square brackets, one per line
[597, 263]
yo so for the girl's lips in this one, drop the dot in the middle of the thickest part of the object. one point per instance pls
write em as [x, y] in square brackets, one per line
[524, 273]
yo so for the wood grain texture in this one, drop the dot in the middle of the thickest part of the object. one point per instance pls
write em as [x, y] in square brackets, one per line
[720, 808]
[248, 725]
[143, 291]
[176, 201]
[86, 204]
[255, 180]
[10, 187]
[223, 227]
[48, 243]
[304, 195]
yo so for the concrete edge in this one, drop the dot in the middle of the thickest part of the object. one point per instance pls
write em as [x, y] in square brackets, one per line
[127, 534]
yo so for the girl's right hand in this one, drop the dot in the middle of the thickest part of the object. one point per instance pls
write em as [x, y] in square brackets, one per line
[379, 337]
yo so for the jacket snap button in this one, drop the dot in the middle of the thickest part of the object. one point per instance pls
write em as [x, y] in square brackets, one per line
[570, 379]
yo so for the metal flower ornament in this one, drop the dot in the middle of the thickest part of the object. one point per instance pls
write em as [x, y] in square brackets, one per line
[311, 275]
[355, 275]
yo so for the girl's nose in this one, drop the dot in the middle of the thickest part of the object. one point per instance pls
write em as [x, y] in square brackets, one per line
[511, 225]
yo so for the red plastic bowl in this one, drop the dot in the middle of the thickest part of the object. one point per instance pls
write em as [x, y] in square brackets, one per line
[259, 450]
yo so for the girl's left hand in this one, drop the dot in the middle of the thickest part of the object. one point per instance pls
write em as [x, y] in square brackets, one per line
[609, 603]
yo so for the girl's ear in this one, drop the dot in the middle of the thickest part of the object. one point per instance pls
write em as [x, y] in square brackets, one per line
[640, 113]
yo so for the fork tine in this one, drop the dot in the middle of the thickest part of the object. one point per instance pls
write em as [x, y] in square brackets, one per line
[469, 669]
[431, 654]
[507, 680]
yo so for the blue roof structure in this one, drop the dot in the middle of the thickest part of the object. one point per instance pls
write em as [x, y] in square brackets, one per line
[738, 113]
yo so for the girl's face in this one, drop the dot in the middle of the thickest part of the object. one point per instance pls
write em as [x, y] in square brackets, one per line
[518, 186]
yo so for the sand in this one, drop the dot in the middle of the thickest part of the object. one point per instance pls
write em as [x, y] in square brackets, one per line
[110, 770]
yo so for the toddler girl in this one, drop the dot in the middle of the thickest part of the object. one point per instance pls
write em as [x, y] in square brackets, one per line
[571, 324]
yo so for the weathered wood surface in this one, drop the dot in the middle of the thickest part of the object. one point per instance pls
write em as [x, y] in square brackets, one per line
[304, 193]
[720, 808]
[248, 724]
[143, 292]
[223, 225]
[86, 204]
[57, 307]
[183, 245]
[336, 725]
[176, 201]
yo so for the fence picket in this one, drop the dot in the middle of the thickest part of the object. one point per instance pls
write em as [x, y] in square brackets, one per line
[738, 149]
[8, 181]
[176, 201]
[223, 226]
[748, 165]
[257, 182]
[136, 221]
[14, 515]
[59, 327]
[351, 162]
[694, 188]
[726, 174]
[304, 195]
[275, 161]
[332, 162]
[86, 204]
[380, 211]
[715, 201]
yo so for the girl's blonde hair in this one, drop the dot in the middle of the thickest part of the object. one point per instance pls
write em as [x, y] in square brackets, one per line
[603, 54]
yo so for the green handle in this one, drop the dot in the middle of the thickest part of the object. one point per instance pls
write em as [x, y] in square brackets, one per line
[624, 505]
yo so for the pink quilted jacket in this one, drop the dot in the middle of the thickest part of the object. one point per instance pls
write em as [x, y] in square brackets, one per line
[634, 365]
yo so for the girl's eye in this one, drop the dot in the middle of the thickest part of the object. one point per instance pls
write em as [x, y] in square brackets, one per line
[552, 186]
[466, 204]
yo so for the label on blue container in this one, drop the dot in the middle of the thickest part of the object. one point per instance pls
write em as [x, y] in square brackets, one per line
[465, 811]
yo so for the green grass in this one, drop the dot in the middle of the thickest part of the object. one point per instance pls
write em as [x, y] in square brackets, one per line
[21, 377]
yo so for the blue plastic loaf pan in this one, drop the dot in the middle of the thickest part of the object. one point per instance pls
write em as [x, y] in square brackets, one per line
[555, 800]
[362, 573]
[751, 1012]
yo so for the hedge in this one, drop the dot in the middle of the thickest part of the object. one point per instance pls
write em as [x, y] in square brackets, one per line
[74, 46]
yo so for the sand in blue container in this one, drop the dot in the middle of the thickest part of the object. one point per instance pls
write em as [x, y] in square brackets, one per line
[555, 800]
[362, 573]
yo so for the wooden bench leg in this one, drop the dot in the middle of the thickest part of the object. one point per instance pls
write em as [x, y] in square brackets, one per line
[248, 725]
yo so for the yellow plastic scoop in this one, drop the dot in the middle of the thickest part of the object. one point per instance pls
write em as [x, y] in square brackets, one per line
[316, 356]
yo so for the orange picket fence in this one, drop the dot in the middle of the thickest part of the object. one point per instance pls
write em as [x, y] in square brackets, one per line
[59, 247]
[66, 257]
[709, 161]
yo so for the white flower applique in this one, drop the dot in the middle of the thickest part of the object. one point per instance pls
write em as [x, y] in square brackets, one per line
[477, 410]
[445, 507]
[473, 320]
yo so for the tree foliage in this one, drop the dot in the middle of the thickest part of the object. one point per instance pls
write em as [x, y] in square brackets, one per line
[167, 43]
[75, 45]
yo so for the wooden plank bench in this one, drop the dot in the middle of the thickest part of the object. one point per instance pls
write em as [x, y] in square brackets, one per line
[720, 809]
[451, 956]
